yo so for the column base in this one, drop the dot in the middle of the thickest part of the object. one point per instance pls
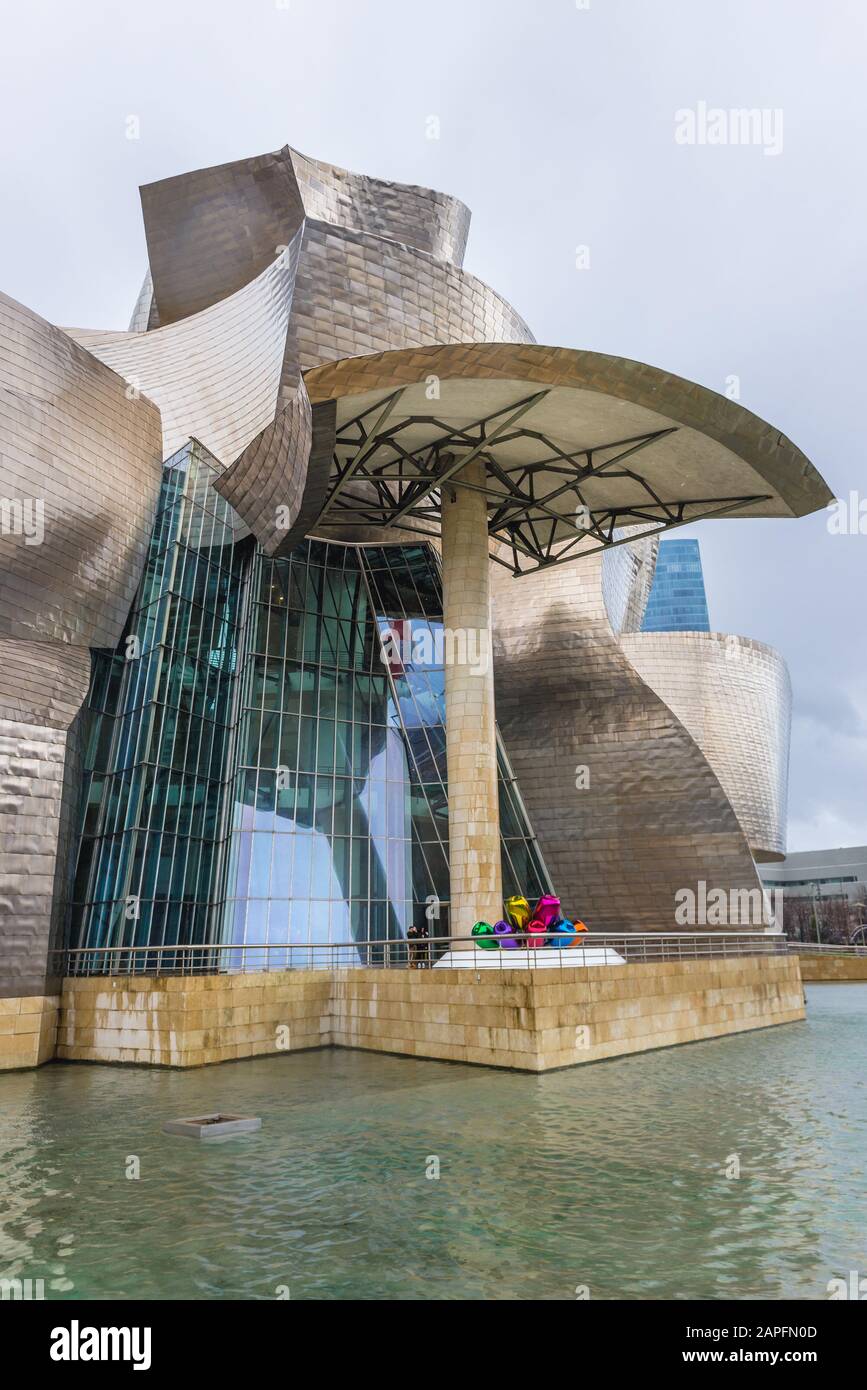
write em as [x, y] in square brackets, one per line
[28, 1031]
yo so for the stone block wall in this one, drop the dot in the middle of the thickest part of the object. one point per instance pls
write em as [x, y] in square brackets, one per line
[188, 1021]
[834, 969]
[528, 1020]
[538, 1020]
[28, 1029]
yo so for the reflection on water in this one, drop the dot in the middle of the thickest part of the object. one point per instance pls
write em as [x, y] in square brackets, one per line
[610, 1176]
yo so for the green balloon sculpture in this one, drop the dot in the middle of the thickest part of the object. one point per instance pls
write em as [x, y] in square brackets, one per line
[484, 934]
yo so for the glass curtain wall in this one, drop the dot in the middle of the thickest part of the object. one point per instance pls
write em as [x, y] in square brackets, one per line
[265, 751]
[340, 819]
[156, 728]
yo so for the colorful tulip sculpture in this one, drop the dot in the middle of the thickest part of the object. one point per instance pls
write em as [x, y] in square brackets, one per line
[484, 934]
[564, 933]
[505, 934]
[545, 927]
[518, 913]
[547, 912]
[537, 929]
[567, 933]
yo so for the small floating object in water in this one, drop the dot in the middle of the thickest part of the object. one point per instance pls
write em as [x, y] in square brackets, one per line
[213, 1126]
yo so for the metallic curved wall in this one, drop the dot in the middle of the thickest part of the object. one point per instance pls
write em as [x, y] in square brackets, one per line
[735, 698]
[74, 442]
[359, 294]
[216, 375]
[420, 217]
[732, 694]
[211, 231]
[653, 817]
[376, 268]
[332, 294]
[42, 687]
[84, 459]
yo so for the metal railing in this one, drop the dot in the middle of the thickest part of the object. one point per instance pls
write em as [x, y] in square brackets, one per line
[826, 948]
[533, 952]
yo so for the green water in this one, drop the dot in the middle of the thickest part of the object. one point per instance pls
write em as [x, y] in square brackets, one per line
[610, 1176]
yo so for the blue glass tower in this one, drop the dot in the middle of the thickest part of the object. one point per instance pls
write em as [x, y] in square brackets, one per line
[677, 602]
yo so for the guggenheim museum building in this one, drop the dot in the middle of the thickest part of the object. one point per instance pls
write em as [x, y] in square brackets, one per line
[323, 596]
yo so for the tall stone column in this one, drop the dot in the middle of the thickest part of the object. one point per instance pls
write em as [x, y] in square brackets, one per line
[471, 750]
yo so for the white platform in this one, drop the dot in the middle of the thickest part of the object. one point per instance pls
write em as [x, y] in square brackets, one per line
[534, 958]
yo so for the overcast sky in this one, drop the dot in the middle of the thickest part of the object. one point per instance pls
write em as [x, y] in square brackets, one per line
[556, 125]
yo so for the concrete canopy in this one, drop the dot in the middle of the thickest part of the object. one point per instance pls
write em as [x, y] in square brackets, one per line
[576, 446]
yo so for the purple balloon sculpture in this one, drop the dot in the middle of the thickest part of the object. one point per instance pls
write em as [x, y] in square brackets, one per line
[506, 933]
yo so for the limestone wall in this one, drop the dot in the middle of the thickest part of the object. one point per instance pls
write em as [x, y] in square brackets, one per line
[28, 1027]
[191, 1020]
[529, 1020]
[833, 968]
[542, 1019]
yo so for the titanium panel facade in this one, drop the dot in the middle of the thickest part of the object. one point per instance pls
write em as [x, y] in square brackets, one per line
[78, 481]
[420, 217]
[216, 376]
[625, 805]
[42, 686]
[243, 315]
[212, 231]
[86, 458]
[734, 696]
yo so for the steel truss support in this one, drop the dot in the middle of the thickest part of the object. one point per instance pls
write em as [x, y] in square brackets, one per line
[383, 478]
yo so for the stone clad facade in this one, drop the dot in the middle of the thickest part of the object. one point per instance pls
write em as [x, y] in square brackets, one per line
[526, 1020]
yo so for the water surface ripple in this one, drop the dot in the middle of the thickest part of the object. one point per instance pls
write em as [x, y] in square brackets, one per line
[610, 1176]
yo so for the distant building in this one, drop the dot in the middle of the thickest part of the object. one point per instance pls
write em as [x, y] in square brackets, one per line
[824, 894]
[822, 873]
[677, 602]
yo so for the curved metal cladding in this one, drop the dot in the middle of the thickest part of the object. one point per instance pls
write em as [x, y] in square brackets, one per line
[627, 578]
[361, 266]
[626, 807]
[79, 478]
[359, 294]
[732, 694]
[420, 217]
[216, 376]
[735, 698]
[212, 231]
[42, 687]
